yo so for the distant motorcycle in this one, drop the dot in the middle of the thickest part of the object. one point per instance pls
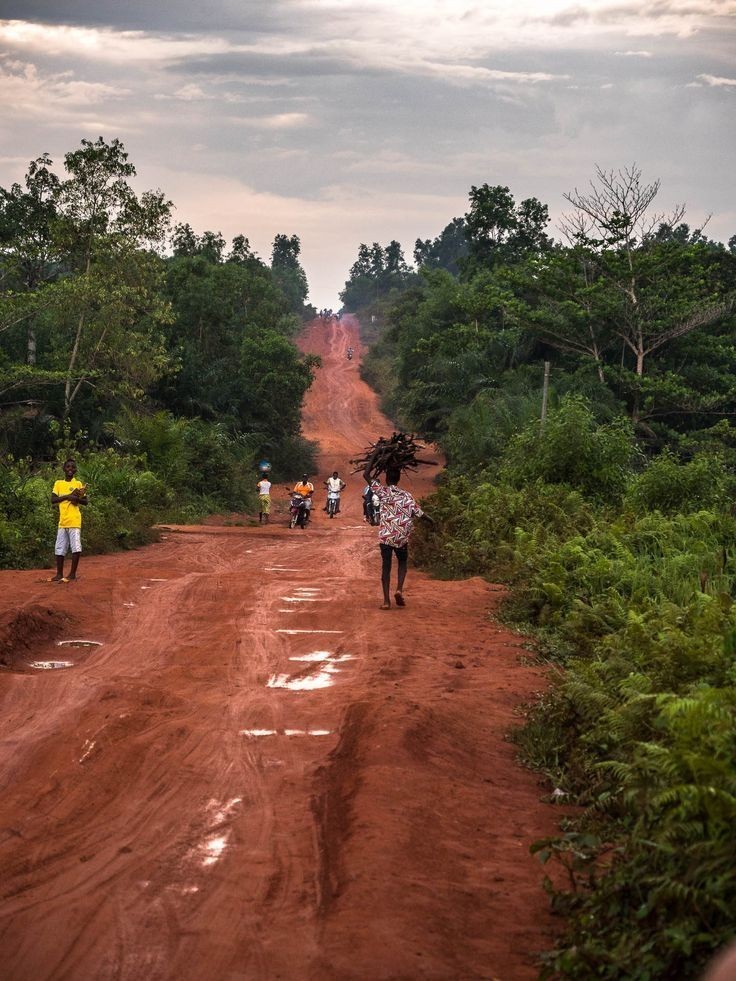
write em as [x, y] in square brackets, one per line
[350, 354]
[299, 510]
[333, 503]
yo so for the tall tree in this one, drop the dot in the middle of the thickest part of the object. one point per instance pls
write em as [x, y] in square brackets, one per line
[27, 249]
[658, 288]
[287, 270]
[446, 251]
[108, 232]
[499, 231]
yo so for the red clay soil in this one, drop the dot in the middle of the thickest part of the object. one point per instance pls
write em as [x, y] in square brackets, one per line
[257, 773]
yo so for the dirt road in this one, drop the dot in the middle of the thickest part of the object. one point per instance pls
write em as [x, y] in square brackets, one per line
[255, 773]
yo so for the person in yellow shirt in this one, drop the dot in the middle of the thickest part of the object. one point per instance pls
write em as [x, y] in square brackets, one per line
[68, 494]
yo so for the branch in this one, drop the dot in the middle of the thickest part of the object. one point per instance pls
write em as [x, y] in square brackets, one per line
[701, 319]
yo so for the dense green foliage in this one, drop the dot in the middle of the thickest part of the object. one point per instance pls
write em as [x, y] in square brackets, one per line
[178, 370]
[613, 523]
[637, 600]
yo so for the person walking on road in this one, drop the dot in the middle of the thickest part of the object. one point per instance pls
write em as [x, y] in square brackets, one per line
[264, 499]
[398, 511]
[68, 494]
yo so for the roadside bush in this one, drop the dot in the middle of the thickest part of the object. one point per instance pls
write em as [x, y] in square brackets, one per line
[494, 529]
[574, 450]
[27, 522]
[665, 903]
[673, 487]
[639, 728]
[189, 458]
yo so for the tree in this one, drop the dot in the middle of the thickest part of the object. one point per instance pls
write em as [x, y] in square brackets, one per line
[240, 250]
[277, 380]
[498, 231]
[568, 305]
[27, 249]
[446, 251]
[658, 287]
[108, 232]
[377, 272]
[184, 241]
[210, 245]
[287, 271]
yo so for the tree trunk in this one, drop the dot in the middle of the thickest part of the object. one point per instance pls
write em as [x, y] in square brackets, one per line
[68, 394]
[31, 345]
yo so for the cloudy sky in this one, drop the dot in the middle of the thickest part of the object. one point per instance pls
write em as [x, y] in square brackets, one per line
[348, 121]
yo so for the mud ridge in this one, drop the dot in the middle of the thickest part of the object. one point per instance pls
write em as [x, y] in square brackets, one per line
[339, 780]
[24, 630]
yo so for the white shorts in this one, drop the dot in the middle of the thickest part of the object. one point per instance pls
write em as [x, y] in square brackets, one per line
[68, 540]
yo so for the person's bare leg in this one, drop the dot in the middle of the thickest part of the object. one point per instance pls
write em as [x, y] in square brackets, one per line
[402, 563]
[386, 576]
[75, 563]
[59, 569]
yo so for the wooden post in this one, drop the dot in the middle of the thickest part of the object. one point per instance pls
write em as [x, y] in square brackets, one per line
[545, 393]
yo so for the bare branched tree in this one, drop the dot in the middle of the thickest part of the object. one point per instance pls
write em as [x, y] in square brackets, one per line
[615, 211]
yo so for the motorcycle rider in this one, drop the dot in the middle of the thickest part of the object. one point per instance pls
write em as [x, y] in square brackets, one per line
[334, 485]
[306, 488]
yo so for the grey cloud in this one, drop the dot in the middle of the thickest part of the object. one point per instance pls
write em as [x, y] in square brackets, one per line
[302, 65]
[185, 15]
[398, 149]
[615, 13]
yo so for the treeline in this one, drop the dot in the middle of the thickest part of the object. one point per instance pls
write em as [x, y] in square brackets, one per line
[612, 521]
[161, 358]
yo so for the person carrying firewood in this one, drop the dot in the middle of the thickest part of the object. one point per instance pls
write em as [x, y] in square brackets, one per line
[398, 511]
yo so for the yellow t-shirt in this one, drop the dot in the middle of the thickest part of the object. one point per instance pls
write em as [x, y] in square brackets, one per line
[70, 515]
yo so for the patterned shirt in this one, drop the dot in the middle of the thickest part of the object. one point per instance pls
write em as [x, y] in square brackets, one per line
[398, 510]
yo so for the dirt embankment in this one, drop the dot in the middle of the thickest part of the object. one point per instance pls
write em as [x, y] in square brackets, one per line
[246, 770]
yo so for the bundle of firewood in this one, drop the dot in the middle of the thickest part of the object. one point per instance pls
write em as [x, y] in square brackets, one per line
[400, 452]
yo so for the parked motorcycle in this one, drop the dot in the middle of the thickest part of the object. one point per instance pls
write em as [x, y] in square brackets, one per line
[372, 508]
[299, 510]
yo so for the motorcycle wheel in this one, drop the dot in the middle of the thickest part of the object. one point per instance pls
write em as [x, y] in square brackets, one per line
[292, 521]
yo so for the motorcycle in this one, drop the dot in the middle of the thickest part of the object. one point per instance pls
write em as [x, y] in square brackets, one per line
[373, 508]
[299, 510]
[333, 503]
[350, 354]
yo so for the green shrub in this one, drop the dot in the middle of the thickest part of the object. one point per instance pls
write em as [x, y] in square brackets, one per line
[640, 726]
[665, 903]
[673, 487]
[574, 450]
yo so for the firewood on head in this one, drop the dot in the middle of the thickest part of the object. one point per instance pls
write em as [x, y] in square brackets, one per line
[399, 453]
